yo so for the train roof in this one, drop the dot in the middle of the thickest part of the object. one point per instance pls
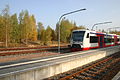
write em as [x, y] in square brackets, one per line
[88, 31]
[80, 30]
[96, 32]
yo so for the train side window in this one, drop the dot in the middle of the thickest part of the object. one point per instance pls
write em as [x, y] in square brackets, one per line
[107, 40]
[112, 40]
[118, 39]
[87, 35]
[93, 39]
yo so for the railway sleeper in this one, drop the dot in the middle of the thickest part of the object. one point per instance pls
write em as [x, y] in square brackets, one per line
[88, 74]
[98, 67]
[91, 72]
[93, 69]
[88, 77]
[81, 77]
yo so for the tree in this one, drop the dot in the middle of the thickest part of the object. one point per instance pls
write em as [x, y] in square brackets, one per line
[26, 28]
[14, 33]
[57, 30]
[21, 28]
[104, 31]
[81, 27]
[115, 32]
[43, 36]
[66, 27]
[40, 28]
[27, 25]
[46, 35]
[15, 30]
[2, 29]
[65, 30]
[54, 36]
[33, 31]
[6, 24]
[49, 33]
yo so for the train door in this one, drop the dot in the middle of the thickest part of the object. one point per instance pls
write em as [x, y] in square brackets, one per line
[101, 41]
[115, 40]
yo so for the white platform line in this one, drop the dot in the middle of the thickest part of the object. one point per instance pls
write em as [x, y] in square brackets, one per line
[117, 76]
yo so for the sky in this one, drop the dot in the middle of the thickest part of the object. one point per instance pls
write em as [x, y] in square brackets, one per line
[49, 11]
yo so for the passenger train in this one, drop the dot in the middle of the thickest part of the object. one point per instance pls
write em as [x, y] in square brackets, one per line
[86, 39]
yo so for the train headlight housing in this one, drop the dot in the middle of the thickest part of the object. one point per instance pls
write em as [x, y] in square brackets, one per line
[81, 43]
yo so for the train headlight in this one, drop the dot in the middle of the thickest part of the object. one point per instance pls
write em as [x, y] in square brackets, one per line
[81, 43]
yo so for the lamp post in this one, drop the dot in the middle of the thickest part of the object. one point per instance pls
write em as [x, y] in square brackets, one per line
[100, 23]
[59, 25]
[111, 28]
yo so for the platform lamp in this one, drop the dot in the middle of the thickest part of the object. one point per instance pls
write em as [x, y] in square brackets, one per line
[60, 22]
[108, 30]
[100, 24]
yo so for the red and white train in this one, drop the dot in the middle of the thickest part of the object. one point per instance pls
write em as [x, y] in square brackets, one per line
[86, 39]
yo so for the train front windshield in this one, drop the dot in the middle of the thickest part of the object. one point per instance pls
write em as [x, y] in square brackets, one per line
[78, 36]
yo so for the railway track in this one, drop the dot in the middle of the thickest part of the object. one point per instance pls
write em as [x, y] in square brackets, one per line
[17, 51]
[26, 48]
[16, 54]
[96, 71]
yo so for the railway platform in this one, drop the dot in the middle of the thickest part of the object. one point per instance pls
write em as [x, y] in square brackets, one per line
[50, 66]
